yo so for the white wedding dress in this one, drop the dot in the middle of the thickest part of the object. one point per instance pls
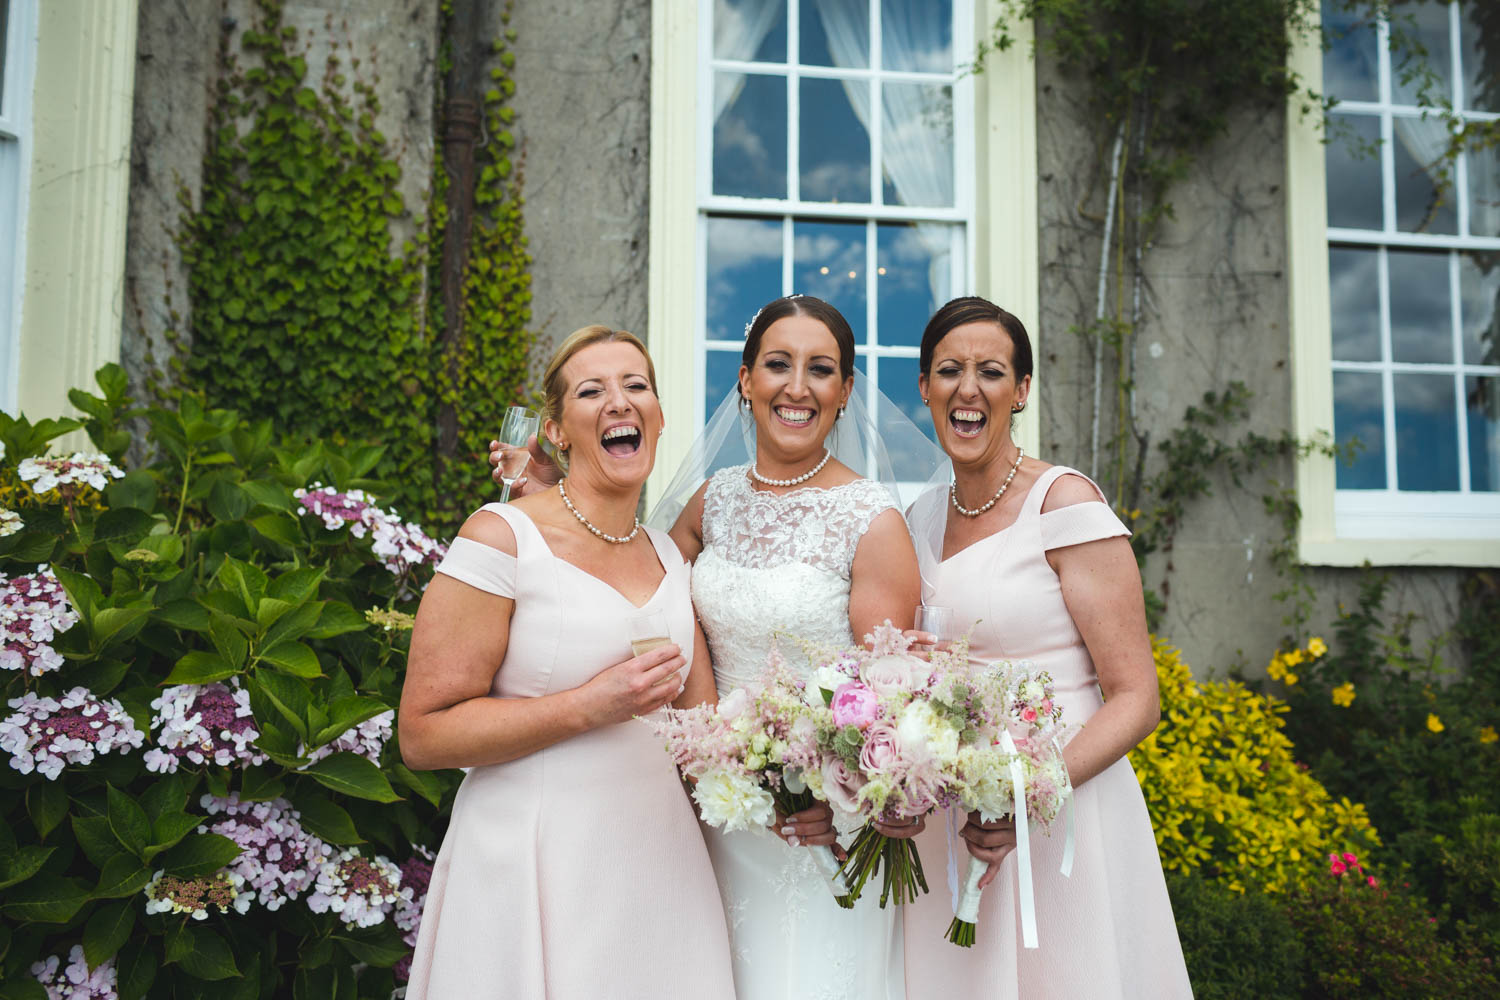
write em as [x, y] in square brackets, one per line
[780, 564]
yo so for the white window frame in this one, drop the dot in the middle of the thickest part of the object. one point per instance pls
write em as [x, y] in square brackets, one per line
[996, 199]
[1385, 526]
[15, 189]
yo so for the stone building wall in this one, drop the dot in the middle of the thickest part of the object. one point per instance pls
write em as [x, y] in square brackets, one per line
[1215, 309]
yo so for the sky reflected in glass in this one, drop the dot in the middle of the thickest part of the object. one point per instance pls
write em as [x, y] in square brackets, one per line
[1482, 406]
[1421, 311]
[744, 272]
[1353, 183]
[1426, 432]
[1353, 278]
[828, 261]
[833, 145]
[750, 137]
[1358, 415]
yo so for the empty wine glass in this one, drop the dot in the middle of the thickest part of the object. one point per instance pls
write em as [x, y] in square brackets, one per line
[936, 620]
[516, 429]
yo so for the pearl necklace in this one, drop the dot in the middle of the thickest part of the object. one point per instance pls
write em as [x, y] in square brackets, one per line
[953, 490]
[611, 539]
[755, 473]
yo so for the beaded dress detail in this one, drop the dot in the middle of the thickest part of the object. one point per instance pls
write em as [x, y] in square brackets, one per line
[780, 563]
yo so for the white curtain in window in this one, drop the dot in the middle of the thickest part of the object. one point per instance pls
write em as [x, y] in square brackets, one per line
[739, 28]
[1484, 191]
[916, 121]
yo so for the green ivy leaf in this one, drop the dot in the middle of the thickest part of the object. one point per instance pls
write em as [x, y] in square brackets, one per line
[200, 667]
[47, 803]
[45, 899]
[199, 854]
[127, 821]
[337, 619]
[107, 930]
[135, 971]
[200, 952]
[294, 658]
[351, 774]
[123, 875]
[23, 864]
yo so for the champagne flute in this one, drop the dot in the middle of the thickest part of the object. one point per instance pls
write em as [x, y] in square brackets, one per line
[516, 429]
[937, 620]
[648, 631]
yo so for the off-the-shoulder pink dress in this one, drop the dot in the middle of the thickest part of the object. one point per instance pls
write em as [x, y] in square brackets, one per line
[1106, 933]
[577, 871]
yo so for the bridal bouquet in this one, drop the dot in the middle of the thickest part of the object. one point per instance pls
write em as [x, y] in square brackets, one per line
[1025, 752]
[734, 755]
[887, 735]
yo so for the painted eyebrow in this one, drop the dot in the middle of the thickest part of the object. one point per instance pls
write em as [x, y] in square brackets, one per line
[595, 378]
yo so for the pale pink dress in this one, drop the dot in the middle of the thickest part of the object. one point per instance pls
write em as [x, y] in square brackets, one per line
[1106, 933]
[577, 871]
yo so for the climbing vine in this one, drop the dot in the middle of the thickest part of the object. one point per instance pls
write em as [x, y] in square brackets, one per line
[305, 307]
[1162, 81]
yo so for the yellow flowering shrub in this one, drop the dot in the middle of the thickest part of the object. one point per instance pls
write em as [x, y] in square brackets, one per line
[1226, 792]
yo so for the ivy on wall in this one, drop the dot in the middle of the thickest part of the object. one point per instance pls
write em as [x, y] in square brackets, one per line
[302, 307]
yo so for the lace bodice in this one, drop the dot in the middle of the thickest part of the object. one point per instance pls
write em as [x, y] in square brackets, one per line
[777, 563]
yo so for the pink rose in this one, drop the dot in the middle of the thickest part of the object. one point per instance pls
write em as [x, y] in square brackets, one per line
[854, 705]
[1337, 868]
[1350, 858]
[733, 705]
[1372, 881]
[1028, 714]
[895, 674]
[883, 752]
[841, 785]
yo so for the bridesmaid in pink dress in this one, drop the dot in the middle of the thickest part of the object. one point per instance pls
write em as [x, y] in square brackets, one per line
[573, 865]
[1033, 555]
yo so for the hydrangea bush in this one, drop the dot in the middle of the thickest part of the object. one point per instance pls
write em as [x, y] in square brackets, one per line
[201, 793]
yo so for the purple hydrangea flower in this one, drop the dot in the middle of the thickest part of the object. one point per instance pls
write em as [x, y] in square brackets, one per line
[279, 859]
[204, 723]
[47, 734]
[74, 981]
[34, 608]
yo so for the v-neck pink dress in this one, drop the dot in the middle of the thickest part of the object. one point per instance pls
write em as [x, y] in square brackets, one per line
[579, 870]
[1106, 933]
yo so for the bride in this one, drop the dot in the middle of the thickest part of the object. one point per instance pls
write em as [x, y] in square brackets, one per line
[793, 541]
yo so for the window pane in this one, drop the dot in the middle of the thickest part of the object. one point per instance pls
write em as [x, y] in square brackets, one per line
[1358, 416]
[1483, 398]
[898, 380]
[1479, 307]
[1418, 156]
[1349, 65]
[1481, 55]
[4, 48]
[917, 35]
[1421, 316]
[1354, 199]
[1425, 25]
[1484, 189]
[835, 33]
[828, 261]
[744, 272]
[750, 30]
[721, 369]
[750, 135]
[1354, 294]
[834, 146]
[1426, 433]
[913, 276]
[917, 144]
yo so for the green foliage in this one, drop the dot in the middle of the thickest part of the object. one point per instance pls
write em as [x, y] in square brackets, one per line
[196, 568]
[1236, 945]
[1383, 720]
[1227, 796]
[1369, 942]
[302, 308]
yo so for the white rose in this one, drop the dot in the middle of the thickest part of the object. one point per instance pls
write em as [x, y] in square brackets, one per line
[895, 674]
[733, 705]
[1032, 692]
[733, 802]
[823, 679]
[918, 725]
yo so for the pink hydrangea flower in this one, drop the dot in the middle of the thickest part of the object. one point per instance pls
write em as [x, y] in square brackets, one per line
[47, 474]
[279, 859]
[203, 723]
[34, 609]
[368, 739]
[401, 546]
[48, 734]
[361, 890]
[74, 981]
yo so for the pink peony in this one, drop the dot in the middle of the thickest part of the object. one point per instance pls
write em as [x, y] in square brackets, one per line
[1337, 868]
[1028, 714]
[1350, 858]
[897, 673]
[841, 785]
[854, 705]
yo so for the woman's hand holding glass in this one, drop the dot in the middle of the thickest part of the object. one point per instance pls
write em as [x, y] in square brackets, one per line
[637, 686]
